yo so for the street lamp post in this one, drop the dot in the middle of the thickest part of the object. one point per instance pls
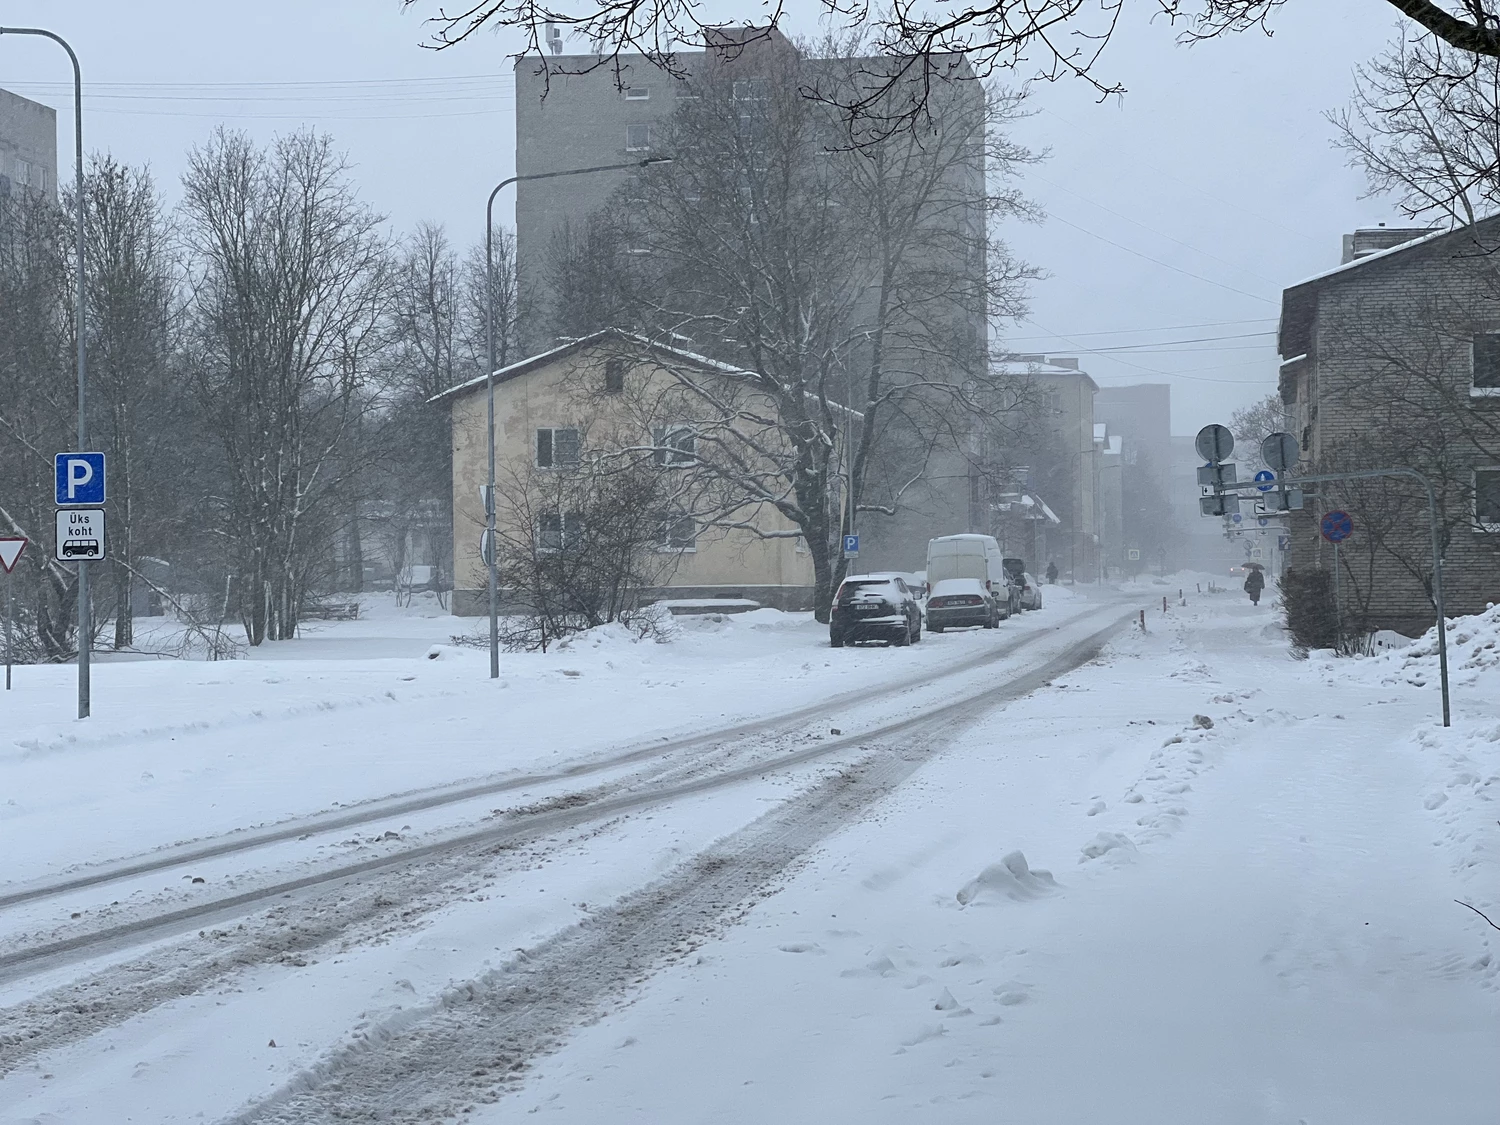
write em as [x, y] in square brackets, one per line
[85, 621]
[489, 376]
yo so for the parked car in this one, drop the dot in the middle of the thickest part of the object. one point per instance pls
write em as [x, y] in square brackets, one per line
[957, 603]
[1031, 592]
[872, 607]
[970, 556]
[1015, 577]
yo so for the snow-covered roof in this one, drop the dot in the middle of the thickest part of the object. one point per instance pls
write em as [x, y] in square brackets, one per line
[1299, 302]
[1372, 256]
[541, 359]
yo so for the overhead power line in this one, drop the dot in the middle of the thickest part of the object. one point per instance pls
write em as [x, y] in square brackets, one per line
[1158, 328]
[1159, 262]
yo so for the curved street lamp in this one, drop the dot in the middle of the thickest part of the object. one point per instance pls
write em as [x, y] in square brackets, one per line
[85, 623]
[489, 375]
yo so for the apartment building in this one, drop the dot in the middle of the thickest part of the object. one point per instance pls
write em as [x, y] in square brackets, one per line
[28, 145]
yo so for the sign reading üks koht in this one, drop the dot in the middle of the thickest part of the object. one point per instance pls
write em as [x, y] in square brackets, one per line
[80, 535]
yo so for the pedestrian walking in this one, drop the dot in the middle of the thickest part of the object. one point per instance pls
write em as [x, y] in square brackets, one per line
[1052, 573]
[1255, 582]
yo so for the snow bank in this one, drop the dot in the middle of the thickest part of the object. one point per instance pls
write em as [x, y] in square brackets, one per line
[1473, 654]
[1012, 878]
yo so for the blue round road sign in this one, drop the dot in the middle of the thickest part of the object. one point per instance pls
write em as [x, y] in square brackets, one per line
[1337, 526]
[1267, 480]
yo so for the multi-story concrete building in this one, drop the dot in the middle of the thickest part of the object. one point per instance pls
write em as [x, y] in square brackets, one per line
[1141, 414]
[28, 144]
[569, 116]
[1392, 360]
[1066, 466]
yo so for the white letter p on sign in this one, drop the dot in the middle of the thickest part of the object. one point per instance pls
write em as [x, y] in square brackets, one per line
[80, 472]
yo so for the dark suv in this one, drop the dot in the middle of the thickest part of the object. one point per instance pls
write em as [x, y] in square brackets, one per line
[874, 607]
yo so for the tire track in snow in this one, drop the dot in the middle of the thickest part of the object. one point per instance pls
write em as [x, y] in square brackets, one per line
[246, 840]
[473, 1044]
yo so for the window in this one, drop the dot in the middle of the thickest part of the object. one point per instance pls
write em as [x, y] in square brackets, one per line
[1486, 379]
[750, 90]
[614, 375]
[556, 448]
[637, 138]
[675, 445]
[558, 531]
[678, 532]
[1487, 499]
[637, 93]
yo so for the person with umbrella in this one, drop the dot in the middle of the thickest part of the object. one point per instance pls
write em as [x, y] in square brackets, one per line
[1255, 582]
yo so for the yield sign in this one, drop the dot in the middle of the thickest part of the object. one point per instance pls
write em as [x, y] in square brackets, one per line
[10, 551]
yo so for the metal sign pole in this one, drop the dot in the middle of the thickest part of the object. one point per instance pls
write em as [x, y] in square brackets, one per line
[10, 612]
[1338, 604]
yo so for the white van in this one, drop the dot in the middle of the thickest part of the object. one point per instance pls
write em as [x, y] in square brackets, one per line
[969, 556]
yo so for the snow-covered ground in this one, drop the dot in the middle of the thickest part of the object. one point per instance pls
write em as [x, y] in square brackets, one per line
[352, 711]
[1195, 880]
[1248, 922]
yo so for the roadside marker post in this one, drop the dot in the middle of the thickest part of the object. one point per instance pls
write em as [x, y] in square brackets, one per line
[10, 554]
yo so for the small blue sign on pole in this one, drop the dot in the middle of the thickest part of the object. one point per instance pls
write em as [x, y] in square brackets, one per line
[80, 479]
[851, 546]
[1266, 480]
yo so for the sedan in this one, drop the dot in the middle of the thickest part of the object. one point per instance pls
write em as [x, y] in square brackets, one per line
[959, 602]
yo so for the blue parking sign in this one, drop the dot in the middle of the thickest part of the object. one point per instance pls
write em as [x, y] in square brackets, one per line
[851, 546]
[80, 478]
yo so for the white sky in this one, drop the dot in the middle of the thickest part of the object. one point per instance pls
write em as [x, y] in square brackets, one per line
[1190, 202]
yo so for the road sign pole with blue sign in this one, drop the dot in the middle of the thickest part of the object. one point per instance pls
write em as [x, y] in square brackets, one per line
[80, 484]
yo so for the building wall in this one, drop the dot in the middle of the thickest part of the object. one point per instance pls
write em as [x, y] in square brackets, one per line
[28, 144]
[582, 121]
[1142, 415]
[566, 121]
[1070, 398]
[1365, 315]
[736, 563]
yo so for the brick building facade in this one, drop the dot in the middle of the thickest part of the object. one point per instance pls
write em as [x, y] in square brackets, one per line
[1392, 359]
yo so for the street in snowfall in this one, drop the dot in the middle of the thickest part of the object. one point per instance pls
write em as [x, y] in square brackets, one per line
[1074, 871]
[926, 563]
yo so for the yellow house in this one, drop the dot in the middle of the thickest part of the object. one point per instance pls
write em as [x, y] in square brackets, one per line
[617, 399]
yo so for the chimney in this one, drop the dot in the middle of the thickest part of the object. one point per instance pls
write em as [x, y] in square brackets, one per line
[1368, 240]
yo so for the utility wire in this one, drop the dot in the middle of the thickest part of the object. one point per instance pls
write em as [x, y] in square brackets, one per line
[1161, 328]
[1159, 262]
[1148, 370]
[1145, 226]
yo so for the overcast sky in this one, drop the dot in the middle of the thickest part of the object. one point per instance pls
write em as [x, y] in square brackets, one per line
[1177, 213]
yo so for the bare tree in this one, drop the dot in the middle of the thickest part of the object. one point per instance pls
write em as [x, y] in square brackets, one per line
[853, 286]
[131, 290]
[37, 408]
[1424, 127]
[289, 275]
[1033, 39]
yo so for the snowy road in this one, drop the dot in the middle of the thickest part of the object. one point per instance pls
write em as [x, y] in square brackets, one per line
[53, 1010]
[1249, 917]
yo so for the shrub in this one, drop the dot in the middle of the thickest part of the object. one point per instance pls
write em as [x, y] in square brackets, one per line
[1311, 616]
